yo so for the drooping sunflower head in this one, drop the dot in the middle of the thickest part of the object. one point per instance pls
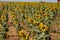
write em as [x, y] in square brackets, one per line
[41, 18]
[41, 24]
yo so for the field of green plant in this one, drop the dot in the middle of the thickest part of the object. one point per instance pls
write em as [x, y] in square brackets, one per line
[32, 20]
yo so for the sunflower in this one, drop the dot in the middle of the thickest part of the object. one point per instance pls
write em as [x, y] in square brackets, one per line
[21, 11]
[43, 27]
[38, 12]
[15, 22]
[26, 16]
[34, 16]
[34, 22]
[37, 16]
[13, 15]
[41, 12]
[23, 34]
[46, 9]
[30, 20]
[3, 17]
[20, 33]
[46, 15]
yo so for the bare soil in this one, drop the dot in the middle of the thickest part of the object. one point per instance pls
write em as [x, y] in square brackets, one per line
[55, 29]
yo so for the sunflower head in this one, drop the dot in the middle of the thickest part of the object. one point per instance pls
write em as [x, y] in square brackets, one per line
[13, 15]
[46, 15]
[34, 22]
[26, 16]
[37, 16]
[41, 18]
[15, 22]
[43, 27]
[2, 17]
[30, 20]
[23, 34]
[21, 11]
[38, 12]
[41, 24]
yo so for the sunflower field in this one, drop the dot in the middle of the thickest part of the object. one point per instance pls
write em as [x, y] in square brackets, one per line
[31, 20]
